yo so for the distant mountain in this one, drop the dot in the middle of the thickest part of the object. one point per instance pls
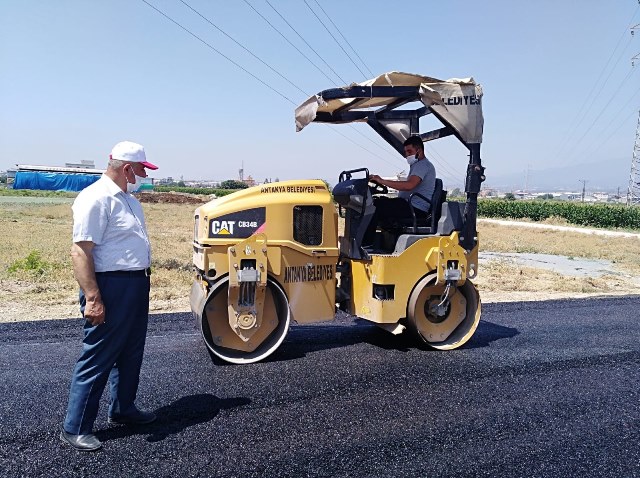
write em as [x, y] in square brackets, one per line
[607, 177]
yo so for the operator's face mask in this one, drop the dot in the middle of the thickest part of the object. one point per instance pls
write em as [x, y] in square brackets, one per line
[411, 159]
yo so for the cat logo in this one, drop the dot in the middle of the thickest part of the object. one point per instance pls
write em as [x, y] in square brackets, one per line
[239, 224]
[222, 227]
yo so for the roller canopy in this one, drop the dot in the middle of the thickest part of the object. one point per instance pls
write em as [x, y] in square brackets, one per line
[456, 102]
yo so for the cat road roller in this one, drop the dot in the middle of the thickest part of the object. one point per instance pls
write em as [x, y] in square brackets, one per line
[269, 255]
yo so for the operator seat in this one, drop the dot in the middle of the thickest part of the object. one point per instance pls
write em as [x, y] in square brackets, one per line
[428, 225]
[420, 224]
[388, 237]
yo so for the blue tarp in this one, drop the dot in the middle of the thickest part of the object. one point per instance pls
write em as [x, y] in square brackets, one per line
[53, 181]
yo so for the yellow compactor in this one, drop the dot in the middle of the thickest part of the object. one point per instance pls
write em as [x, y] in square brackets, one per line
[272, 254]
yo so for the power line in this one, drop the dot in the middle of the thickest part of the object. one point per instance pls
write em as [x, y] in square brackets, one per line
[305, 41]
[219, 53]
[615, 116]
[372, 141]
[605, 106]
[434, 153]
[443, 170]
[240, 66]
[316, 66]
[606, 79]
[244, 48]
[620, 125]
[334, 38]
[593, 97]
[253, 75]
[358, 144]
[344, 38]
[310, 61]
[323, 24]
[270, 67]
[290, 43]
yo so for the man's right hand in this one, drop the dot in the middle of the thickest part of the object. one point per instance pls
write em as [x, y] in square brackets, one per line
[94, 311]
[84, 271]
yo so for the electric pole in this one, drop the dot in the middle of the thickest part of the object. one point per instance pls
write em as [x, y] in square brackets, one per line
[584, 183]
[633, 194]
[633, 30]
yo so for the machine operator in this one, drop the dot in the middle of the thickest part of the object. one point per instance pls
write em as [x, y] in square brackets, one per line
[421, 179]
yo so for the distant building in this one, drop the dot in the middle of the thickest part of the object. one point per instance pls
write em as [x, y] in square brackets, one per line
[523, 195]
[487, 193]
[84, 164]
[567, 196]
[601, 196]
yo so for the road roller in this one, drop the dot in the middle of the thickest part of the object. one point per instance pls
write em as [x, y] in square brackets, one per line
[270, 255]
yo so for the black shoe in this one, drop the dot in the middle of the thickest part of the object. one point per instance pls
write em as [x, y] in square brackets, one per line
[81, 442]
[137, 418]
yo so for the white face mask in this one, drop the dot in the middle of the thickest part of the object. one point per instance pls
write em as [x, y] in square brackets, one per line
[411, 159]
[132, 188]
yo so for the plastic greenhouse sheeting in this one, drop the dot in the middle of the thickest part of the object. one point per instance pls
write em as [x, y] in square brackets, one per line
[53, 181]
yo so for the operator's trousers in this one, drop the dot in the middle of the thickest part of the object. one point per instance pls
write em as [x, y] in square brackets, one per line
[111, 351]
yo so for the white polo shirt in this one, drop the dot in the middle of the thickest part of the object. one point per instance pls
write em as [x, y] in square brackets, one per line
[113, 220]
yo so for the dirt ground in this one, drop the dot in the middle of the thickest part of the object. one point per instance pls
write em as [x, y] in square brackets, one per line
[173, 198]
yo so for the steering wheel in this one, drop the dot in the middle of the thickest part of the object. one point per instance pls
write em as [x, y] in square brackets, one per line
[376, 188]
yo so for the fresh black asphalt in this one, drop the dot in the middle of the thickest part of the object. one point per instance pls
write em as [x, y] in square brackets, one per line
[544, 389]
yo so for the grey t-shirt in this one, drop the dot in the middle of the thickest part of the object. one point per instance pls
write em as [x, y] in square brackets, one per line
[427, 172]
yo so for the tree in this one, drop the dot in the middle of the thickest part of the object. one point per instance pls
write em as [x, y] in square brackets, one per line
[455, 193]
[181, 184]
[545, 196]
[232, 184]
[510, 197]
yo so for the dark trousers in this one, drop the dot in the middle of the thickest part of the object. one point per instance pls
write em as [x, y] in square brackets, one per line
[388, 214]
[111, 351]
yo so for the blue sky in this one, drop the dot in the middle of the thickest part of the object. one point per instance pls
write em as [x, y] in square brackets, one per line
[79, 76]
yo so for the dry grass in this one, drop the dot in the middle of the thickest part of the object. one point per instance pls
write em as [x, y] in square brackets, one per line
[52, 293]
[500, 280]
[619, 250]
[24, 228]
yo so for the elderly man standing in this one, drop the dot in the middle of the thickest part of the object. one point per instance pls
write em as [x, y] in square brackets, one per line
[111, 258]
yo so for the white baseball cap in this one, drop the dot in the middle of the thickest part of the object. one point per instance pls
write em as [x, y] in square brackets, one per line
[131, 152]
